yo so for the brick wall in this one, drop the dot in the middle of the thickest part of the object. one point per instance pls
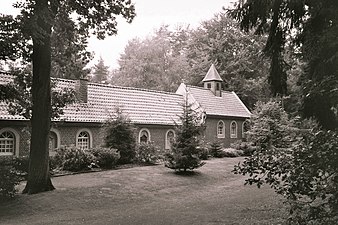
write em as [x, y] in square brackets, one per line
[67, 132]
[210, 132]
[157, 133]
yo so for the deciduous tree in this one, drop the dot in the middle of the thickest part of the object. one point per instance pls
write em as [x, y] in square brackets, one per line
[312, 26]
[36, 22]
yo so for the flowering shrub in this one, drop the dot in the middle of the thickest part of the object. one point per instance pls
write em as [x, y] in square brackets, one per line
[105, 157]
[148, 153]
[73, 159]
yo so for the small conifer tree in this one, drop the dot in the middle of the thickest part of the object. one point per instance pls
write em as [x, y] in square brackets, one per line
[120, 135]
[216, 149]
[185, 153]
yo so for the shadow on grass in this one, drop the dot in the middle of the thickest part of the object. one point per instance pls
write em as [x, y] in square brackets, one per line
[188, 173]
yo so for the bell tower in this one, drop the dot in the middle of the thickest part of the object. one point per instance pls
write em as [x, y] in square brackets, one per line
[213, 81]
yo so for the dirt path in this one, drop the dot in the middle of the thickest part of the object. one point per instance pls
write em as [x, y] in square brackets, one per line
[148, 195]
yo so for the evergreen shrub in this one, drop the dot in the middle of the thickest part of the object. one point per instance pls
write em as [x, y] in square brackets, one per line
[185, 154]
[119, 134]
[216, 149]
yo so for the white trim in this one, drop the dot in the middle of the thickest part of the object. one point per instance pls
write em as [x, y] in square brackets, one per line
[90, 136]
[166, 138]
[233, 135]
[139, 135]
[58, 136]
[17, 140]
[223, 130]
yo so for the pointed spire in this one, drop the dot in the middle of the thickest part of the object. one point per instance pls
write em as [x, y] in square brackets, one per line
[212, 75]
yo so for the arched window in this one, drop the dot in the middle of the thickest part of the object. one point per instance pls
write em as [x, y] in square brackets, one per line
[54, 141]
[169, 139]
[9, 142]
[233, 129]
[144, 136]
[220, 129]
[245, 128]
[84, 139]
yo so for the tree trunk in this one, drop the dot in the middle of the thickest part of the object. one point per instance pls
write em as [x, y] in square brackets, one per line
[38, 175]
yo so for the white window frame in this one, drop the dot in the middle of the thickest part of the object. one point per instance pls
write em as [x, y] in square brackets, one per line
[220, 135]
[139, 135]
[90, 138]
[233, 135]
[167, 145]
[16, 141]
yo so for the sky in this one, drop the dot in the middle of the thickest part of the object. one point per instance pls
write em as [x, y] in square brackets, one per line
[150, 15]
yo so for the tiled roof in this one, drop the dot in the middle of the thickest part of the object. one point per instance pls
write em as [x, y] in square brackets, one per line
[227, 105]
[142, 106]
[212, 75]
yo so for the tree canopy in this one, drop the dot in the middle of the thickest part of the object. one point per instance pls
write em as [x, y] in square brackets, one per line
[155, 62]
[32, 29]
[311, 28]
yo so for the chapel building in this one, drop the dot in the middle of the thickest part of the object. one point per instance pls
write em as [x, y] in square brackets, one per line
[154, 114]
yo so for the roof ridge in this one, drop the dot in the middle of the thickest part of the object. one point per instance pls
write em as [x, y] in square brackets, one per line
[133, 88]
[202, 88]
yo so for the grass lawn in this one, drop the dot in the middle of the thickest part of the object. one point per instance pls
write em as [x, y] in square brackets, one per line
[149, 195]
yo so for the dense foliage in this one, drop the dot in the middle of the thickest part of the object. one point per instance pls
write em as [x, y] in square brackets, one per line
[119, 134]
[32, 29]
[311, 28]
[18, 96]
[185, 153]
[298, 160]
[9, 177]
[73, 159]
[105, 158]
[168, 57]
[148, 153]
[155, 62]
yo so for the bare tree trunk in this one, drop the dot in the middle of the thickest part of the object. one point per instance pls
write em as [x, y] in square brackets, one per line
[38, 175]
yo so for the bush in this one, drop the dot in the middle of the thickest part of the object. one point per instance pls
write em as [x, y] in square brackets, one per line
[204, 152]
[148, 153]
[21, 164]
[105, 158]
[73, 159]
[231, 152]
[244, 146]
[8, 178]
[299, 163]
[119, 134]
